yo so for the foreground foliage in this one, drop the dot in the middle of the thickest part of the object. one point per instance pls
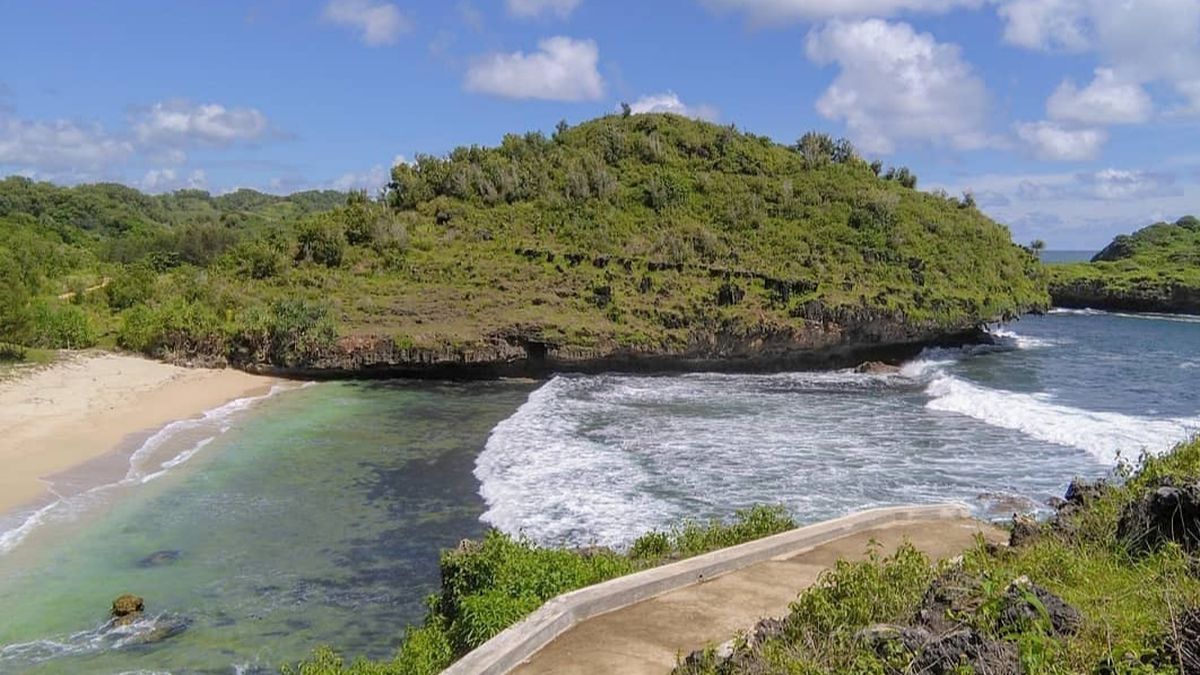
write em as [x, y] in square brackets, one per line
[1156, 268]
[489, 585]
[1134, 603]
[646, 232]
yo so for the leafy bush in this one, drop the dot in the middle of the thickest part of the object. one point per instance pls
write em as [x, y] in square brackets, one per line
[322, 240]
[57, 325]
[133, 285]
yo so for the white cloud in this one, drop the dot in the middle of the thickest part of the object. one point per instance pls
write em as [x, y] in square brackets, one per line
[168, 180]
[180, 122]
[669, 102]
[1141, 42]
[562, 69]
[1107, 100]
[1046, 24]
[370, 180]
[1052, 141]
[1081, 210]
[59, 145]
[784, 11]
[380, 23]
[536, 8]
[898, 85]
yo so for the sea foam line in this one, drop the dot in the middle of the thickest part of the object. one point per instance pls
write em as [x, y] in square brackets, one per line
[1105, 435]
[1145, 316]
[137, 474]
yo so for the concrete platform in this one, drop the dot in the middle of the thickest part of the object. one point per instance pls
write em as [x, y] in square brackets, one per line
[646, 638]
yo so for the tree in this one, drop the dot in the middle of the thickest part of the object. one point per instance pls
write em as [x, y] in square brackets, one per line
[560, 129]
[14, 302]
[844, 151]
[1037, 246]
[817, 149]
[626, 109]
[876, 167]
[968, 200]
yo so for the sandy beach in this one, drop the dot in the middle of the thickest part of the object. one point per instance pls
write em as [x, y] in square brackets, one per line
[80, 408]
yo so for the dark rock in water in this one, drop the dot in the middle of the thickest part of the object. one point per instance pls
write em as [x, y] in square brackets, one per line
[1025, 603]
[161, 628]
[160, 558]
[1166, 513]
[946, 653]
[1025, 530]
[953, 594]
[126, 609]
[877, 368]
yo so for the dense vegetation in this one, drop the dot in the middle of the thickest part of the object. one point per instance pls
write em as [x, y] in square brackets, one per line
[1156, 269]
[489, 585]
[646, 233]
[1138, 597]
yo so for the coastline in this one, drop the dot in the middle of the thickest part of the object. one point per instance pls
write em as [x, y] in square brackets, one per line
[82, 408]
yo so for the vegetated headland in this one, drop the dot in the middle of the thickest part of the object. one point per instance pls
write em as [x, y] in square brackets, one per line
[626, 242]
[1156, 269]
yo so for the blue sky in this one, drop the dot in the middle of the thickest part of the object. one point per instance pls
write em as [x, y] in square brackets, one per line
[1071, 120]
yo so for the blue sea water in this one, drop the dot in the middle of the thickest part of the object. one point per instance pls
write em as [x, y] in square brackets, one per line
[315, 516]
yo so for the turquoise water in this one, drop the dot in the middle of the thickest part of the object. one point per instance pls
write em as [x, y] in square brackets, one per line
[316, 518]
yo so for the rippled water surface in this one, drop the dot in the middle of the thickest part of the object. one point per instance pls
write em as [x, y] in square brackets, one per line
[315, 516]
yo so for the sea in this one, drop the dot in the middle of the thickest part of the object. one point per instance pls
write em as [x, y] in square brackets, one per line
[315, 515]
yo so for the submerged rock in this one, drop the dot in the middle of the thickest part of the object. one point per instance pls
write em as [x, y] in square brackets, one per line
[160, 558]
[877, 368]
[1162, 514]
[126, 609]
[158, 629]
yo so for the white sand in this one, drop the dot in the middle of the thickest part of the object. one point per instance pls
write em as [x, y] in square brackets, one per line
[61, 416]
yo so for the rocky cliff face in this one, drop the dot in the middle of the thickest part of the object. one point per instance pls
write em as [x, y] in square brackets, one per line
[1096, 294]
[524, 352]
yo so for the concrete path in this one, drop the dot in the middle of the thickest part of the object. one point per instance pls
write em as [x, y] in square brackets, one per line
[646, 638]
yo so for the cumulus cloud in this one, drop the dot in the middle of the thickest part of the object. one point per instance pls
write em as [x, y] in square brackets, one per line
[538, 8]
[1107, 100]
[59, 145]
[168, 180]
[1141, 42]
[181, 122]
[372, 179]
[786, 11]
[669, 102]
[897, 85]
[1081, 210]
[379, 23]
[563, 69]
[1053, 141]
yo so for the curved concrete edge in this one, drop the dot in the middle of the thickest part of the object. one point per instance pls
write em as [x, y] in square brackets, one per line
[559, 614]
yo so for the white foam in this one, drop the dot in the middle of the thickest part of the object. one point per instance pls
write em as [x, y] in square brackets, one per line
[206, 428]
[1145, 316]
[1103, 434]
[572, 483]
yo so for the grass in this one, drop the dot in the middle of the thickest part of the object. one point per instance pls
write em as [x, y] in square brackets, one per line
[489, 585]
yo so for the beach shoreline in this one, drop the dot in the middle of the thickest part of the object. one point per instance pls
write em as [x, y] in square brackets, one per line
[58, 419]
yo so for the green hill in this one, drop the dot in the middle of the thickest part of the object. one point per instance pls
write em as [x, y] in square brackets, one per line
[646, 240]
[1156, 269]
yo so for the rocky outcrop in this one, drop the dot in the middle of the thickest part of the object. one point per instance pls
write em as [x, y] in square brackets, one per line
[1025, 603]
[946, 653]
[523, 351]
[1167, 513]
[126, 609]
[1096, 294]
[876, 368]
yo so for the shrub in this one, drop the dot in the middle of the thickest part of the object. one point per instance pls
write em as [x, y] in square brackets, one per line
[256, 259]
[322, 240]
[133, 285]
[61, 326]
[178, 328]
